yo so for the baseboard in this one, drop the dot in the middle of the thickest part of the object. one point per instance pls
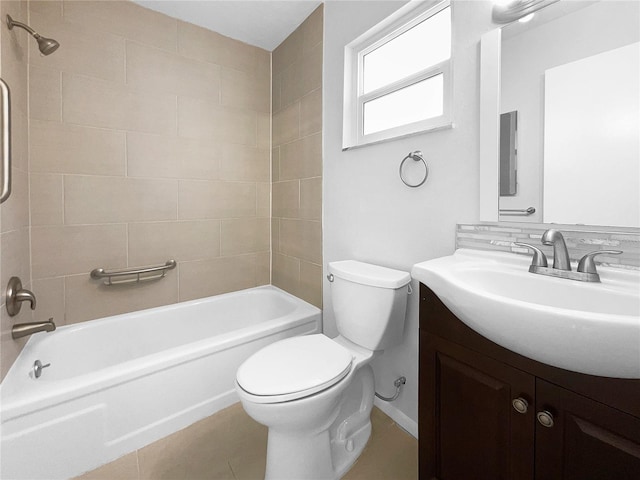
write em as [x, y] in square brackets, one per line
[398, 416]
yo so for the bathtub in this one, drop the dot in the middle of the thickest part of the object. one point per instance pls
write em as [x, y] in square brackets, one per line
[119, 383]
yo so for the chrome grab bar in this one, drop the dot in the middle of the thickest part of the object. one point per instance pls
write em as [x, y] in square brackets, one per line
[5, 142]
[517, 212]
[98, 273]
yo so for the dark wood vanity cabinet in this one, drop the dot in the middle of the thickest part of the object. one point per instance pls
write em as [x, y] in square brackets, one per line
[478, 408]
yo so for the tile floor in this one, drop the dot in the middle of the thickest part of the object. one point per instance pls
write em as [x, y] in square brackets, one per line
[231, 446]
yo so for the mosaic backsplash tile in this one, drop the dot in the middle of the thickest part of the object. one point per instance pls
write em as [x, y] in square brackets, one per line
[498, 237]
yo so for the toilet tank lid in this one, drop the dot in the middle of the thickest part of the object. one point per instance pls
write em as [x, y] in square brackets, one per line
[368, 274]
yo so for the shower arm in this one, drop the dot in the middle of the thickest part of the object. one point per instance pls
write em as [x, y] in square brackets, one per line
[13, 23]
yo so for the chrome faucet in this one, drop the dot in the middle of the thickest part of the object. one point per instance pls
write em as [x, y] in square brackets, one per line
[20, 330]
[561, 265]
[16, 295]
[560, 252]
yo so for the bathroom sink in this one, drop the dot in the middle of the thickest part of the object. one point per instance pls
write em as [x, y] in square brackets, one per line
[591, 328]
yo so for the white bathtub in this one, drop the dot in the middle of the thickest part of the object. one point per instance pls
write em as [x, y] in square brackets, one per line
[122, 382]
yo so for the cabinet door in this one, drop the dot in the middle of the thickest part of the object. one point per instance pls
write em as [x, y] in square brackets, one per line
[468, 426]
[587, 441]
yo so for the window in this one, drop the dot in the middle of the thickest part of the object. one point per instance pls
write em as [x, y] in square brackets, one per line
[398, 76]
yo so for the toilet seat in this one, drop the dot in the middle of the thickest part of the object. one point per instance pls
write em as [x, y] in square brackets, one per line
[294, 368]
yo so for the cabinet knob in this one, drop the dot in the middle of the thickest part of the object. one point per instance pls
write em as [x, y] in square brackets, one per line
[545, 418]
[520, 405]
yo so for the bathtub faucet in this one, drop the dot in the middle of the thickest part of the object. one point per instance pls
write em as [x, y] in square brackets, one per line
[20, 330]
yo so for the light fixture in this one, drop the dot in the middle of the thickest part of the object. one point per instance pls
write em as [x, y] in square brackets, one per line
[507, 11]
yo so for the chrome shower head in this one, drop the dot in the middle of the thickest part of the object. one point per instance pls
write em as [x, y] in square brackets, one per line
[46, 45]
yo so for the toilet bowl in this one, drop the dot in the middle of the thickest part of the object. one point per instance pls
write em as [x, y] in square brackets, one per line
[314, 393]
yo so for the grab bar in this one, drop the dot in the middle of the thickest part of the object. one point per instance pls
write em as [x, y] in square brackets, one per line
[5, 142]
[99, 273]
[518, 211]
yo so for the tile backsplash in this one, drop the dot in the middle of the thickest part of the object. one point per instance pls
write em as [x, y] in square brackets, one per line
[498, 237]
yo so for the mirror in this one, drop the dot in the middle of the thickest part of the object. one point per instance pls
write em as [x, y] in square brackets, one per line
[562, 137]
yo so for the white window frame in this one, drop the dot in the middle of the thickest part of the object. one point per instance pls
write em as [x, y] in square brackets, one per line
[395, 25]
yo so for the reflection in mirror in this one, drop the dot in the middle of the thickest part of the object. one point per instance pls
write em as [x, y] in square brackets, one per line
[572, 76]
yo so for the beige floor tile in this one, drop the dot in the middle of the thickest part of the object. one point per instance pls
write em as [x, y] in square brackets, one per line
[124, 468]
[231, 446]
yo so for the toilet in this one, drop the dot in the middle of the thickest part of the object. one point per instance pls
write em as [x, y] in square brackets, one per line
[314, 393]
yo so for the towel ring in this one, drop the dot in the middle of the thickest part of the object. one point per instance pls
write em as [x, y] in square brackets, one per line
[417, 156]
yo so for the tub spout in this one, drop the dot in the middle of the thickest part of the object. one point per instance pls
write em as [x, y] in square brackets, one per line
[20, 330]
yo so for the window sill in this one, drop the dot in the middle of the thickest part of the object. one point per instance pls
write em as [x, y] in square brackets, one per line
[444, 126]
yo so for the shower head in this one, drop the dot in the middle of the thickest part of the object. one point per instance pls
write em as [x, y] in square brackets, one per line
[46, 45]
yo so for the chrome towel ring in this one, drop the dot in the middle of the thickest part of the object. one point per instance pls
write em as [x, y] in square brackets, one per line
[417, 156]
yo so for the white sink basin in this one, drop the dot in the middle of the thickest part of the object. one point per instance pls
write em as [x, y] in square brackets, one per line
[591, 328]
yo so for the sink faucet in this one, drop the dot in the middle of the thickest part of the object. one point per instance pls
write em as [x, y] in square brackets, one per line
[20, 330]
[561, 266]
[560, 252]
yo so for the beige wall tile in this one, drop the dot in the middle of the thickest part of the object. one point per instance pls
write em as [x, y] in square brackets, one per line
[19, 138]
[311, 67]
[92, 199]
[263, 199]
[301, 239]
[290, 84]
[59, 148]
[14, 258]
[156, 242]
[244, 163]
[68, 250]
[202, 199]
[245, 235]
[98, 103]
[220, 275]
[311, 113]
[45, 93]
[88, 299]
[287, 52]
[263, 268]
[14, 213]
[276, 103]
[285, 273]
[264, 130]
[302, 158]
[202, 44]
[286, 125]
[172, 157]
[312, 29]
[10, 348]
[275, 234]
[275, 164]
[124, 468]
[311, 283]
[76, 55]
[244, 90]
[205, 119]
[286, 199]
[311, 198]
[46, 199]
[50, 8]
[50, 295]
[157, 70]
[126, 19]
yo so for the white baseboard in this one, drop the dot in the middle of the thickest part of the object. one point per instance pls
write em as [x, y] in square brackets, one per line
[398, 416]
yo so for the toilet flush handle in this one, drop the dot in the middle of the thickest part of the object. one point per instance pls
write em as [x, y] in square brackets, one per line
[330, 277]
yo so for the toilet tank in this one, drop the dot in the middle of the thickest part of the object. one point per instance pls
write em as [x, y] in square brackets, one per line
[369, 302]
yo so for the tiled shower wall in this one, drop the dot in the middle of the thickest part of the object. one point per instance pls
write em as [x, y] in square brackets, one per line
[149, 140]
[14, 213]
[297, 161]
[500, 237]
